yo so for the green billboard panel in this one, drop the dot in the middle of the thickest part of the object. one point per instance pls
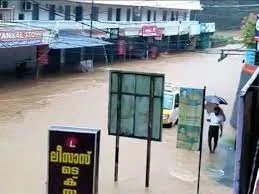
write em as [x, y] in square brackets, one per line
[190, 118]
[135, 102]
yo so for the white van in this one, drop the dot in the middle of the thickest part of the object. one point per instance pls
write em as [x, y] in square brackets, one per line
[171, 105]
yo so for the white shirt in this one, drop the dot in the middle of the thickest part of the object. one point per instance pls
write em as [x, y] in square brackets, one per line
[215, 119]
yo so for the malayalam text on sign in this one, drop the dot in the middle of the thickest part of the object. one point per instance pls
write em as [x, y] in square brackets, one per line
[73, 160]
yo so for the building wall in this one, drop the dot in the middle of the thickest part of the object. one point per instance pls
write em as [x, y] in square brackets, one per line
[103, 11]
[16, 55]
[249, 140]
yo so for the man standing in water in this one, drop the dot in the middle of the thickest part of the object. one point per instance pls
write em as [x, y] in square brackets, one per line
[216, 121]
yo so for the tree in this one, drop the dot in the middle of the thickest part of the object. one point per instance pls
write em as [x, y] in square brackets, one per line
[248, 31]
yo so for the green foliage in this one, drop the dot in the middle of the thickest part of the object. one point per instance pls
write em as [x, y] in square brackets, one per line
[248, 31]
[224, 39]
[218, 38]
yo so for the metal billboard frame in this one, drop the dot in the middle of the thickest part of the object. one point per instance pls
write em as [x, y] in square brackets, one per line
[150, 113]
[120, 93]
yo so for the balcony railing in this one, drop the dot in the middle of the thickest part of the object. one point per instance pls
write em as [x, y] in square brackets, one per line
[169, 27]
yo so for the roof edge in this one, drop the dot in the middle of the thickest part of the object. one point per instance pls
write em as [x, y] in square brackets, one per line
[249, 83]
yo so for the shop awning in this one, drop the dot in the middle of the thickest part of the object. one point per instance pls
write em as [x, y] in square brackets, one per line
[76, 41]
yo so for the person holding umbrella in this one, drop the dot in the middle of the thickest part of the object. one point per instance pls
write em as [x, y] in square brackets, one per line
[214, 101]
[216, 119]
[216, 123]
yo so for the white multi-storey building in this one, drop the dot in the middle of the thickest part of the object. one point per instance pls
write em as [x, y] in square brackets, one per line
[143, 10]
[174, 17]
[142, 24]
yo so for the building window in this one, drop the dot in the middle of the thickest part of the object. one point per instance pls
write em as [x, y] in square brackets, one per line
[148, 15]
[26, 6]
[67, 12]
[154, 16]
[79, 13]
[110, 11]
[128, 14]
[21, 16]
[172, 16]
[137, 14]
[177, 15]
[95, 13]
[1, 17]
[118, 14]
[51, 12]
[164, 15]
[35, 12]
[5, 4]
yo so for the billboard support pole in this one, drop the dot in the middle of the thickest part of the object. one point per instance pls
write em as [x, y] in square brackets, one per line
[117, 144]
[149, 137]
[201, 139]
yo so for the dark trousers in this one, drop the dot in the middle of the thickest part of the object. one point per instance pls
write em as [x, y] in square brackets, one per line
[213, 133]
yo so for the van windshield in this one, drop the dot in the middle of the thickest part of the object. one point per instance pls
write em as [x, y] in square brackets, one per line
[168, 101]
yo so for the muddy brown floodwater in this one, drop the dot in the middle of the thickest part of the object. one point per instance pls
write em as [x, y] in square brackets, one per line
[28, 108]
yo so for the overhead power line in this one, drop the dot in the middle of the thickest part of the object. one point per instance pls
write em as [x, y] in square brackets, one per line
[60, 15]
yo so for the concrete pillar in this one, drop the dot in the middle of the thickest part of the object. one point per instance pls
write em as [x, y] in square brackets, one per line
[82, 54]
[62, 59]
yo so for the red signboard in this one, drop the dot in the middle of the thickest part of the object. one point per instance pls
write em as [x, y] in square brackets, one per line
[42, 54]
[15, 35]
[151, 31]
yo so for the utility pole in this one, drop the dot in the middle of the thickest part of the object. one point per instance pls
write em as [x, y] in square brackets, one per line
[257, 39]
[257, 31]
[92, 8]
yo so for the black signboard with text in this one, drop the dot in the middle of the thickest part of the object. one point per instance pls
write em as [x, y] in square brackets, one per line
[73, 160]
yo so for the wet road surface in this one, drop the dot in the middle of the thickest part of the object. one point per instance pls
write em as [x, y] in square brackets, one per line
[28, 108]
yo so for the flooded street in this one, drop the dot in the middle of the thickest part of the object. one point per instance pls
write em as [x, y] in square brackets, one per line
[29, 108]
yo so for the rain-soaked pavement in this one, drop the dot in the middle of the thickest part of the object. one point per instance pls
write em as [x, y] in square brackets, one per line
[28, 108]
